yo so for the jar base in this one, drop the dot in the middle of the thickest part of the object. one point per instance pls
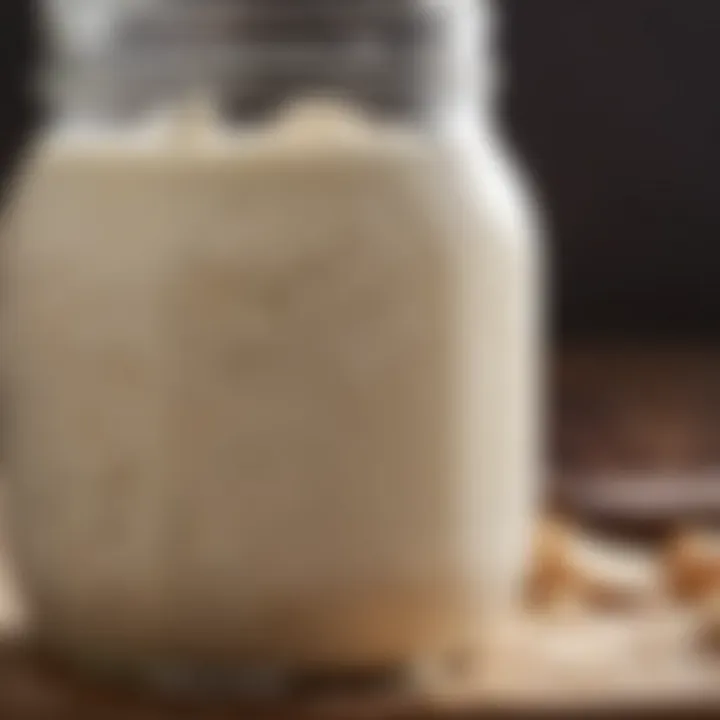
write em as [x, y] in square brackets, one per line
[197, 678]
[205, 681]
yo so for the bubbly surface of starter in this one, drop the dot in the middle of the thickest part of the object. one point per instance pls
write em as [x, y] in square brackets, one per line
[272, 392]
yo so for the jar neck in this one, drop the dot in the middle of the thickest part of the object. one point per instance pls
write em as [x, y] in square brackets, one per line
[412, 60]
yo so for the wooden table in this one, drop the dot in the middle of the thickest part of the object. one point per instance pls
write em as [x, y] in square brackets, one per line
[642, 418]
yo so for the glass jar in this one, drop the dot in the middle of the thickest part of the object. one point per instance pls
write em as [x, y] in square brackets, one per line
[274, 337]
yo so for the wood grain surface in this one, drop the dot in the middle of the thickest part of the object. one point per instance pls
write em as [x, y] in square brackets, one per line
[636, 436]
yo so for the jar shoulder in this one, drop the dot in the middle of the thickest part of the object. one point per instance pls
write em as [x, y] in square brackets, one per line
[496, 192]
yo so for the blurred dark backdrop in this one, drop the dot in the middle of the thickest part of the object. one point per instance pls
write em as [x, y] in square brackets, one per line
[613, 104]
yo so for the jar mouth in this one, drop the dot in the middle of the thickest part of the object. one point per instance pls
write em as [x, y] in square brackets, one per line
[255, 54]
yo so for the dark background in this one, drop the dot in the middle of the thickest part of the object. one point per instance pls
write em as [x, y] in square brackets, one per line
[614, 106]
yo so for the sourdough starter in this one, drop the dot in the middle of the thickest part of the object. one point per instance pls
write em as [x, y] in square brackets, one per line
[273, 390]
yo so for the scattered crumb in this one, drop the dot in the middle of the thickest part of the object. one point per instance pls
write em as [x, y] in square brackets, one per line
[573, 570]
[553, 580]
[708, 637]
[692, 567]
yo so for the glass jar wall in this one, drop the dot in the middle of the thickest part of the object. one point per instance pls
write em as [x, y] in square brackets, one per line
[274, 338]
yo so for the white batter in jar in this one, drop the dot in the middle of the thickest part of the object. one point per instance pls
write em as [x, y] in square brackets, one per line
[274, 387]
